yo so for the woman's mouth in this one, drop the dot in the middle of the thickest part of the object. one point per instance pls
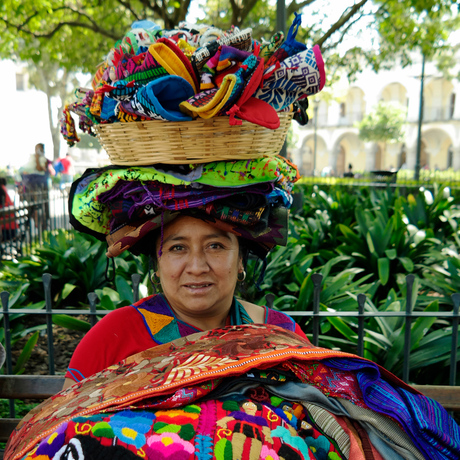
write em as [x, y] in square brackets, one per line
[198, 285]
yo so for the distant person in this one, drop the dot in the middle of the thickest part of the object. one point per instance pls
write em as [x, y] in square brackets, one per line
[8, 222]
[67, 170]
[349, 173]
[37, 171]
[36, 181]
[327, 171]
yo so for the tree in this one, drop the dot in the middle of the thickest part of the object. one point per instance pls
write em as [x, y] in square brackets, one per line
[76, 35]
[47, 76]
[384, 124]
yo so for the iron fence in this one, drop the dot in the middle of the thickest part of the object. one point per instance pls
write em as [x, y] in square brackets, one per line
[31, 219]
[314, 315]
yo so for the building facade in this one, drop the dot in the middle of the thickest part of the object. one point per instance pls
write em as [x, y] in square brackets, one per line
[329, 143]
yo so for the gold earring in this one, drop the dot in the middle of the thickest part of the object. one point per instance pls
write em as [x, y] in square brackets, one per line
[155, 279]
[241, 276]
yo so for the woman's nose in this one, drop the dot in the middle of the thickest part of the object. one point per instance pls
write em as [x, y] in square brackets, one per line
[197, 262]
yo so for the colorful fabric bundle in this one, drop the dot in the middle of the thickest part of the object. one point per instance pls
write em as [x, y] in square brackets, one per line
[249, 392]
[148, 76]
[218, 65]
[248, 198]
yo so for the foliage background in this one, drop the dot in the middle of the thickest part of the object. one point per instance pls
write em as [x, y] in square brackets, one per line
[361, 240]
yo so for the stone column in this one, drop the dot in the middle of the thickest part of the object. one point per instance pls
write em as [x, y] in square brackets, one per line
[370, 148]
[456, 157]
[411, 156]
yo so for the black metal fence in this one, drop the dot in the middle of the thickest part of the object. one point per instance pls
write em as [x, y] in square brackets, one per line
[315, 315]
[28, 222]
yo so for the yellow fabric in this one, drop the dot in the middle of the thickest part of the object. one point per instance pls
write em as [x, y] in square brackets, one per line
[171, 62]
[213, 107]
[155, 321]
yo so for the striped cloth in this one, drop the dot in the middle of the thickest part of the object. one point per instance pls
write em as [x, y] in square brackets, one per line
[427, 423]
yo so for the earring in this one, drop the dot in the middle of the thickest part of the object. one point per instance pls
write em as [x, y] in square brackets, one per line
[241, 276]
[155, 279]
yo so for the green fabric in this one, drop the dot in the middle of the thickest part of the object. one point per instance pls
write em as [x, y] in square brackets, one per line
[88, 211]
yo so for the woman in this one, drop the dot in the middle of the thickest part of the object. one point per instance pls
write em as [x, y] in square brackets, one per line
[198, 266]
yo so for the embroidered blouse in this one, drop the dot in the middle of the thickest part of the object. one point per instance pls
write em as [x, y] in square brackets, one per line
[145, 324]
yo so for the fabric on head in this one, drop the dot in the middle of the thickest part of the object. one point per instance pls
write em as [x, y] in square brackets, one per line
[129, 200]
[160, 99]
[298, 76]
[275, 231]
[171, 57]
[89, 215]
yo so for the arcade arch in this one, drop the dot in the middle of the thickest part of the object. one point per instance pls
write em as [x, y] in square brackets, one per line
[348, 149]
[436, 152]
[395, 92]
[307, 161]
[439, 100]
[355, 104]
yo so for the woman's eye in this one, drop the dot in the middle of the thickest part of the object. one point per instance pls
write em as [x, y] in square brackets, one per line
[176, 248]
[215, 246]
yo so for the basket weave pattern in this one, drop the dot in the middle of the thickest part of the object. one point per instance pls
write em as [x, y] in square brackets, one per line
[197, 141]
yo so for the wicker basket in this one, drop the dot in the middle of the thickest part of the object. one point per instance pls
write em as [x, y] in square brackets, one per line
[197, 141]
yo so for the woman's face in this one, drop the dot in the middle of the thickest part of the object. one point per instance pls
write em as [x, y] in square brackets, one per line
[198, 269]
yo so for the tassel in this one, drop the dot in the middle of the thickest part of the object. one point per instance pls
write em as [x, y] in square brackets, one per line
[232, 112]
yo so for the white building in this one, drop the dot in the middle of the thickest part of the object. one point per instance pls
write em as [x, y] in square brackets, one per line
[336, 137]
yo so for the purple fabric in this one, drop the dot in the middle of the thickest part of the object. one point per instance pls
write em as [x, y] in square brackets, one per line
[427, 423]
[136, 197]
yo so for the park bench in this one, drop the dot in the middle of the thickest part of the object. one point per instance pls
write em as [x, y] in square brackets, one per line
[40, 387]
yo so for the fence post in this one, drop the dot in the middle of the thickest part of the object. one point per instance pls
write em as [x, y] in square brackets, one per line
[361, 303]
[316, 278]
[269, 300]
[453, 354]
[136, 279]
[407, 342]
[92, 299]
[6, 324]
[49, 320]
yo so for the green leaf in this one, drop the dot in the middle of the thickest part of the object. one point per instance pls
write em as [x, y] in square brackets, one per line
[384, 270]
[407, 264]
[370, 243]
[68, 288]
[25, 353]
[343, 328]
[292, 287]
[391, 253]
[72, 323]
[124, 289]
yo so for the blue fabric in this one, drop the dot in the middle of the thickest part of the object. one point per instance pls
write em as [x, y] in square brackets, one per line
[427, 423]
[163, 96]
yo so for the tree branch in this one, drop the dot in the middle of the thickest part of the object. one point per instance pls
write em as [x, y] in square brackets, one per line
[343, 33]
[343, 20]
[94, 26]
[180, 13]
[127, 6]
[247, 7]
[294, 6]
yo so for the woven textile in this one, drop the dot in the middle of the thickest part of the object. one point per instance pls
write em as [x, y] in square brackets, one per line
[427, 423]
[90, 213]
[135, 402]
[168, 376]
